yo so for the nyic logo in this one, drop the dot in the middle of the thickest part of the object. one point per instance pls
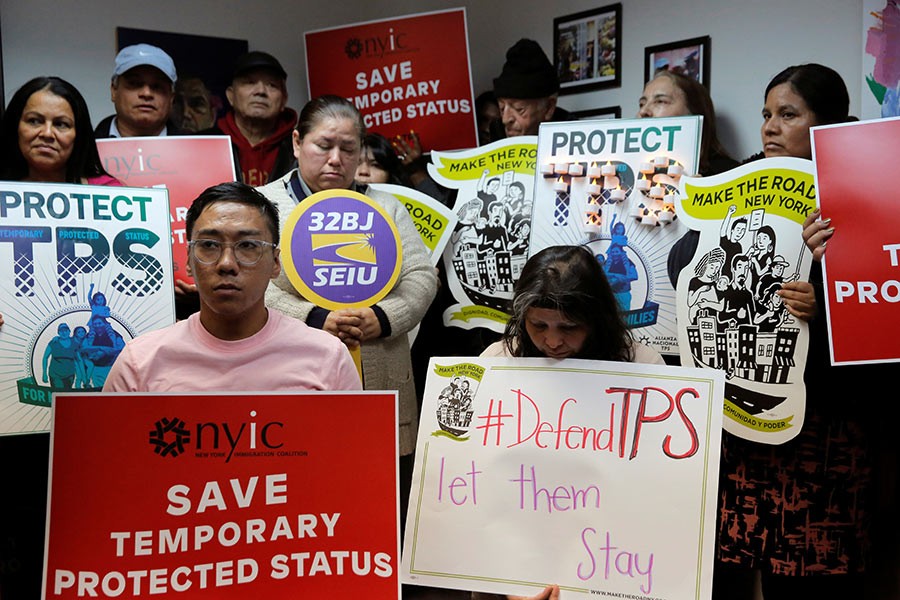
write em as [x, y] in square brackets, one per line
[172, 436]
[169, 436]
[376, 46]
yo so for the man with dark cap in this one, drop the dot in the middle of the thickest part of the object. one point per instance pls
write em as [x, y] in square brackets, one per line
[142, 90]
[527, 90]
[260, 124]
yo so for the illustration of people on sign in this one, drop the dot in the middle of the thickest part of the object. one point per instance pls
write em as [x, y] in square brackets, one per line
[706, 289]
[619, 269]
[79, 358]
[488, 187]
[731, 233]
[61, 364]
[97, 303]
[454, 411]
[101, 347]
[738, 322]
[490, 241]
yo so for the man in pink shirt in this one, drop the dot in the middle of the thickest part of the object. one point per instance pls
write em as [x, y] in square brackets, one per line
[234, 343]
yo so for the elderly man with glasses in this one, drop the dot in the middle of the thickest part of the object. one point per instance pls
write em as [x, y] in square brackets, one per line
[234, 343]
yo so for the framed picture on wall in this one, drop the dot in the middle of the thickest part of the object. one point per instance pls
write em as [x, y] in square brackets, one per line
[586, 49]
[687, 57]
[593, 114]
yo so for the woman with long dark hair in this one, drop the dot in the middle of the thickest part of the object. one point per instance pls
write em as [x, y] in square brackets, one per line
[46, 135]
[798, 512]
[564, 307]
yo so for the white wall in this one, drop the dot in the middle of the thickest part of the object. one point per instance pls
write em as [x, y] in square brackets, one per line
[751, 41]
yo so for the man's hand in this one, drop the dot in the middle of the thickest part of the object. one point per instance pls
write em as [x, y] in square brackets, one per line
[183, 288]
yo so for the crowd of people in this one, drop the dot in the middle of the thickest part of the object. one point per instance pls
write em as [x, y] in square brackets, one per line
[777, 503]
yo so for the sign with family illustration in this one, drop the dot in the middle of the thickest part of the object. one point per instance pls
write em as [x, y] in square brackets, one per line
[87, 269]
[489, 244]
[613, 465]
[732, 318]
[611, 186]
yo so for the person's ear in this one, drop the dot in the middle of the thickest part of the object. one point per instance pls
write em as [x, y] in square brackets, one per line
[551, 108]
[297, 142]
[276, 264]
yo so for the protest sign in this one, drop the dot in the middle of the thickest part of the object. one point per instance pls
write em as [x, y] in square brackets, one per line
[862, 264]
[185, 165]
[598, 476]
[489, 244]
[223, 496]
[610, 185]
[87, 268]
[730, 316]
[341, 249]
[403, 74]
[433, 220]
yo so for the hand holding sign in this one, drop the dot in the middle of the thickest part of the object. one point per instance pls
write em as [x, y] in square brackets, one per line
[342, 251]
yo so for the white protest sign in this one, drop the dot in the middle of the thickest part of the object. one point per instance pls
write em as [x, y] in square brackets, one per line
[489, 243]
[598, 476]
[729, 314]
[610, 186]
[86, 268]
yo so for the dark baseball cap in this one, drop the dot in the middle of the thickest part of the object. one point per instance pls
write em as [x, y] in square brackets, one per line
[255, 60]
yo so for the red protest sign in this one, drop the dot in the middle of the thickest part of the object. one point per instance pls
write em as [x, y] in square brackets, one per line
[186, 165]
[223, 496]
[403, 74]
[862, 263]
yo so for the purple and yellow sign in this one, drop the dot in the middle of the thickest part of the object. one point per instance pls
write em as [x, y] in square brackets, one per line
[340, 249]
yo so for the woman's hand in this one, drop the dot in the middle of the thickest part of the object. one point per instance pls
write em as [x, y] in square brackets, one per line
[409, 151]
[369, 325]
[551, 592]
[344, 326]
[799, 299]
[816, 234]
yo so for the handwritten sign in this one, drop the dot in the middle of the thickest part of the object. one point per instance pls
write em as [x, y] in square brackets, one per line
[225, 496]
[598, 476]
[85, 269]
[729, 314]
[862, 265]
[185, 165]
[611, 185]
[402, 73]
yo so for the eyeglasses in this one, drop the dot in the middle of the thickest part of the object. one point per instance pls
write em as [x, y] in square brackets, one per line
[246, 252]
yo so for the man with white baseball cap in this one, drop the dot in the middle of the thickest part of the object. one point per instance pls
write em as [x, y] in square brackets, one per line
[142, 90]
